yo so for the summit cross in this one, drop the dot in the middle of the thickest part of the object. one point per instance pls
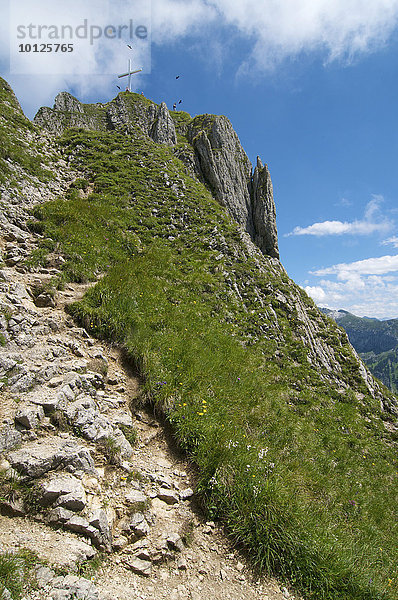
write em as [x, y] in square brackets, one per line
[129, 74]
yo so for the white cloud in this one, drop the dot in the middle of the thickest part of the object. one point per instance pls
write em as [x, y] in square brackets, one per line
[392, 240]
[369, 266]
[366, 287]
[344, 202]
[283, 28]
[98, 30]
[372, 222]
[90, 71]
[373, 207]
[172, 19]
[317, 293]
[273, 30]
[340, 228]
[378, 297]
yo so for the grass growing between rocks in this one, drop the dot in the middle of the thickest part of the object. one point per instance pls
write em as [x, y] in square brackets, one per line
[14, 145]
[302, 474]
[15, 572]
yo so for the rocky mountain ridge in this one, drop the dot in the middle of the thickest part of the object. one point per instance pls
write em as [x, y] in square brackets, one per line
[71, 406]
[207, 144]
[210, 150]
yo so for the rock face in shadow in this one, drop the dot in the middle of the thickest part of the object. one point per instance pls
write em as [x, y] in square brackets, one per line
[213, 153]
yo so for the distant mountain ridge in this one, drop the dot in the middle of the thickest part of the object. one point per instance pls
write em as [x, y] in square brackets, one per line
[376, 341]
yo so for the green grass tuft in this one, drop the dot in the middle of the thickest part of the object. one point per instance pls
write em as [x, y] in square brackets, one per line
[16, 572]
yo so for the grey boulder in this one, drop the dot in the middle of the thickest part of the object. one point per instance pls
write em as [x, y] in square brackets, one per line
[64, 490]
[38, 457]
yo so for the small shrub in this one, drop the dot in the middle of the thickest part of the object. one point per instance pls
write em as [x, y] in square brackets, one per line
[80, 184]
[32, 496]
[187, 532]
[11, 574]
[90, 567]
[110, 450]
[60, 421]
[10, 487]
[6, 312]
[139, 507]
[98, 365]
[41, 288]
[129, 433]
[136, 476]
[36, 226]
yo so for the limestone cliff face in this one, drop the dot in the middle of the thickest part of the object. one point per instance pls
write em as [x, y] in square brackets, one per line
[265, 235]
[121, 114]
[212, 152]
[224, 166]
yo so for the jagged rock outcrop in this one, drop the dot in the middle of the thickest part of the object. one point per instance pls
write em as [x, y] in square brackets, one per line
[153, 120]
[37, 458]
[12, 100]
[216, 157]
[264, 235]
[123, 114]
[224, 166]
[162, 130]
[69, 112]
[67, 103]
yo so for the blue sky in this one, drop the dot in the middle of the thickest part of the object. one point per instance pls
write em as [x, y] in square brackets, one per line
[309, 85]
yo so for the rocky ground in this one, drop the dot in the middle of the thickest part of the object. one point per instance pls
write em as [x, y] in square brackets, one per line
[85, 470]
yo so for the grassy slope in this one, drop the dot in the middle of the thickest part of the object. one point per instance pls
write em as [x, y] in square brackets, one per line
[16, 572]
[304, 477]
[17, 143]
